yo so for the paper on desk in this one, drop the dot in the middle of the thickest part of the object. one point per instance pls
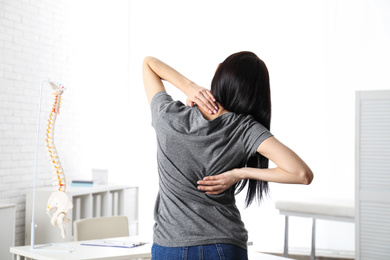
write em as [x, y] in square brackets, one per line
[113, 243]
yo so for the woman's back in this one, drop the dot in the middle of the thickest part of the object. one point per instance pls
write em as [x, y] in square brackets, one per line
[190, 148]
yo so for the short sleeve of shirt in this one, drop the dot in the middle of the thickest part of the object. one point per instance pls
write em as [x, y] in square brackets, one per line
[159, 103]
[254, 134]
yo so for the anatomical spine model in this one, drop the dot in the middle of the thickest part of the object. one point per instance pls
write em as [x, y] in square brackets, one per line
[58, 200]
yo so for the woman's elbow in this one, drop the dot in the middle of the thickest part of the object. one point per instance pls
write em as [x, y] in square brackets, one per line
[307, 176]
[146, 60]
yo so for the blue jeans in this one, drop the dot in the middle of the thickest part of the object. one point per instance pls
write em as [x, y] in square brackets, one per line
[203, 252]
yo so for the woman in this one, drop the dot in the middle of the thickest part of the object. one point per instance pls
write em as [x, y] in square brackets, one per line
[209, 151]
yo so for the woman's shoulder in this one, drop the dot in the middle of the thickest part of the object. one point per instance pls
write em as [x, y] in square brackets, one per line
[163, 106]
[162, 101]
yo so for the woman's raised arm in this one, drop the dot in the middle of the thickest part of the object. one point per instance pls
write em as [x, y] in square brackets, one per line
[154, 71]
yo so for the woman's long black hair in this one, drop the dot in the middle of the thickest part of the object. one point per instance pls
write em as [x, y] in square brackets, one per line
[241, 85]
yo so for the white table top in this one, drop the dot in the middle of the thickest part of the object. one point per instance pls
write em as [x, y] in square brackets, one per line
[320, 207]
[83, 252]
[261, 256]
[7, 205]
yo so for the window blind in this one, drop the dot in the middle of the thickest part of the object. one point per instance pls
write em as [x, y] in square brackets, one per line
[372, 175]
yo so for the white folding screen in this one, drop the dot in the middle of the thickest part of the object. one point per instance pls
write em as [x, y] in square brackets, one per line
[372, 175]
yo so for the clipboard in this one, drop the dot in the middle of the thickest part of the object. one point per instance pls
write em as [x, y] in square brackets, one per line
[113, 243]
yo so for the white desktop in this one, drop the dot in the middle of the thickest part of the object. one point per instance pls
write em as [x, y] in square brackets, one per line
[84, 252]
[87, 252]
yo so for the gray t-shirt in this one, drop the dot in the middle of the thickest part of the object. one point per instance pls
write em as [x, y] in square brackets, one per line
[189, 147]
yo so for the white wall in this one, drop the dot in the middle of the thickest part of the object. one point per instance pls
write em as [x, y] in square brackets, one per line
[100, 70]
[318, 54]
[84, 45]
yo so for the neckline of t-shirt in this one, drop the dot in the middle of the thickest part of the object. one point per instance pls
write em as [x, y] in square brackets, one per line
[218, 118]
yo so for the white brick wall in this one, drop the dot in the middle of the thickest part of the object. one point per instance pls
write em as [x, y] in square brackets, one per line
[35, 44]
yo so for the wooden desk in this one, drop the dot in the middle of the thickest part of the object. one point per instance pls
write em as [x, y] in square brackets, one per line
[81, 252]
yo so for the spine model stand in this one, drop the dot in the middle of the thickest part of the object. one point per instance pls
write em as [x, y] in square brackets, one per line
[58, 200]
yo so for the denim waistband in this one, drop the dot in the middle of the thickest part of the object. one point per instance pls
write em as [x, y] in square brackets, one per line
[200, 252]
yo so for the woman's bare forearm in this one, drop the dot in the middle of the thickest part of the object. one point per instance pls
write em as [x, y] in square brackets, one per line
[274, 175]
[166, 72]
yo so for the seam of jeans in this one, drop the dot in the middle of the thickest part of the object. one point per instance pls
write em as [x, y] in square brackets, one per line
[220, 252]
[200, 250]
[185, 253]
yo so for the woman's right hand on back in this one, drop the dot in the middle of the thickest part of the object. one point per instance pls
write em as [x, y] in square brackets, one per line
[202, 97]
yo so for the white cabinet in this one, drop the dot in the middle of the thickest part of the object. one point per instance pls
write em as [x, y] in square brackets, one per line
[372, 216]
[7, 227]
[88, 202]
